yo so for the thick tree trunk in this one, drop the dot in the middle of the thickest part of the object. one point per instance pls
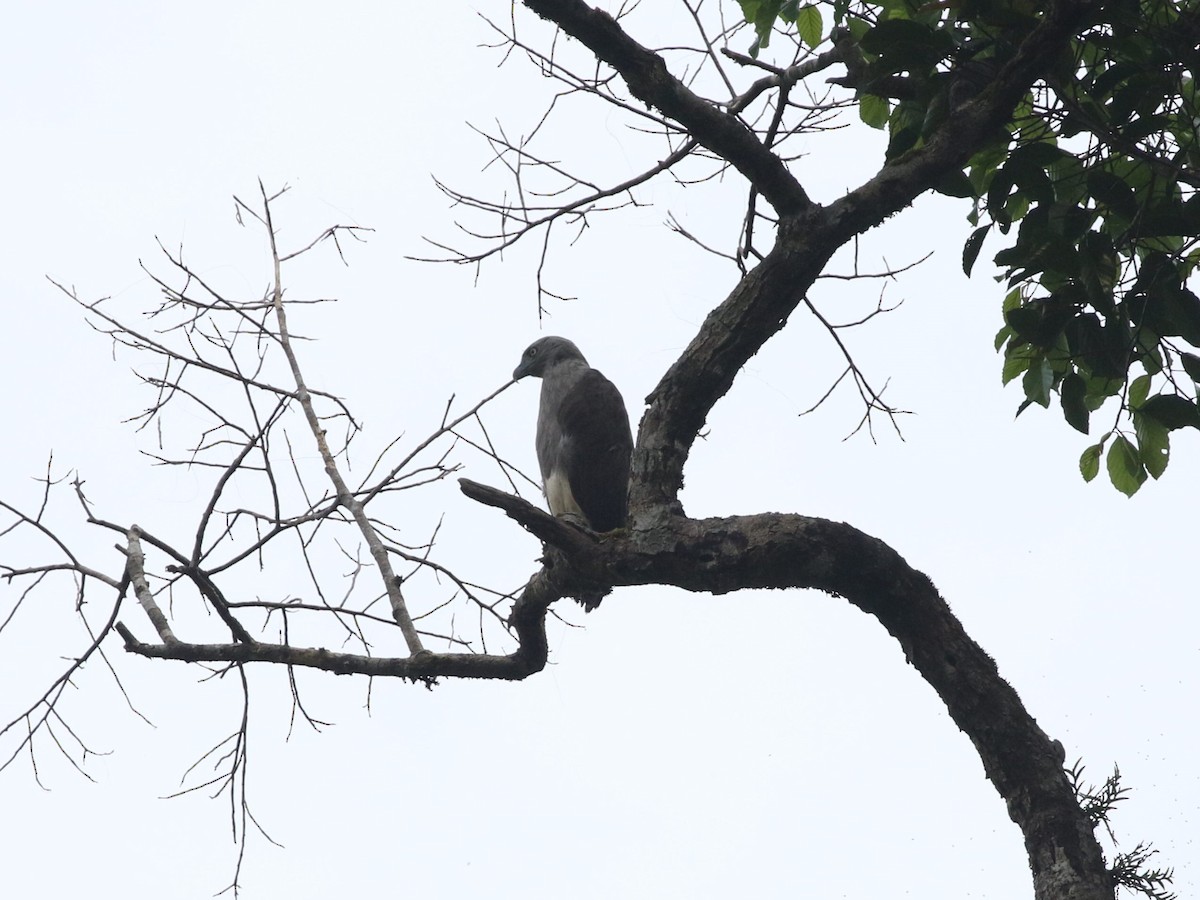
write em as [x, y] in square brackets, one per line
[776, 550]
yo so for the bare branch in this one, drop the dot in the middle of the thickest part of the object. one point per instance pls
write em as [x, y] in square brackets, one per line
[136, 571]
[648, 79]
[346, 497]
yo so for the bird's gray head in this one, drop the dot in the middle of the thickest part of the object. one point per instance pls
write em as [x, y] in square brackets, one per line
[544, 353]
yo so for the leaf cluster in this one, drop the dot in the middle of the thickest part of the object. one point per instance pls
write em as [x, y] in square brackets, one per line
[1131, 872]
[763, 14]
[1092, 183]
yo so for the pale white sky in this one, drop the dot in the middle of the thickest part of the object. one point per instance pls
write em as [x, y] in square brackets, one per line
[758, 744]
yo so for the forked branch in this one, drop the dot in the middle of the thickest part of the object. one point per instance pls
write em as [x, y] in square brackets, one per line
[346, 498]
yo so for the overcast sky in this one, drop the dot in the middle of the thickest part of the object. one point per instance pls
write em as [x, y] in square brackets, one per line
[767, 744]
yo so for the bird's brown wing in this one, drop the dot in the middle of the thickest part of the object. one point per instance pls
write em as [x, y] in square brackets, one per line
[595, 449]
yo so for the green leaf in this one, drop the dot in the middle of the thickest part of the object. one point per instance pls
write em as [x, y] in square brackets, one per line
[873, 110]
[858, 27]
[904, 127]
[997, 196]
[809, 25]
[1172, 410]
[1036, 154]
[1040, 321]
[1179, 313]
[1073, 394]
[987, 160]
[906, 45]
[972, 247]
[1113, 192]
[1002, 336]
[762, 15]
[1099, 389]
[1014, 364]
[1038, 381]
[749, 9]
[1066, 174]
[1191, 365]
[955, 183]
[1125, 467]
[895, 9]
[1012, 300]
[1148, 349]
[1154, 443]
[1098, 267]
[1144, 127]
[1089, 462]
[1166, 218]
[1139, 389]
[1026, 168]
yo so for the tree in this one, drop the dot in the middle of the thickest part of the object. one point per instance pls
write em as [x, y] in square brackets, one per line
[662, 545]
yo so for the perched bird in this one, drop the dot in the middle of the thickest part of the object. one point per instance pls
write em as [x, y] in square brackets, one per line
[583, 436]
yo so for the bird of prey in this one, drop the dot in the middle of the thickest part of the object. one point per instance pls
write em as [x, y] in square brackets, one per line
[583, 436]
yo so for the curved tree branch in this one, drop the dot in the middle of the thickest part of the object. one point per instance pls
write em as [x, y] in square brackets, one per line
[527, 620]
[648, 79]
[760, 304]
[771, 550]
[778, 550]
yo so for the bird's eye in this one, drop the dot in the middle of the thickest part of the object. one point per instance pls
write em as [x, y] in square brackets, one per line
[532, 351]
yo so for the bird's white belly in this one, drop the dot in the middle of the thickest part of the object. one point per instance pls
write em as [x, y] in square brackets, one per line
[559, 496]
